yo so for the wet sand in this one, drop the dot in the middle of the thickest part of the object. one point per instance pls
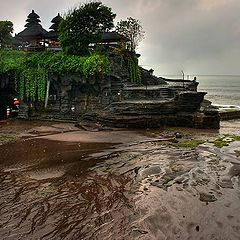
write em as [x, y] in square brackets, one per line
[58, 182]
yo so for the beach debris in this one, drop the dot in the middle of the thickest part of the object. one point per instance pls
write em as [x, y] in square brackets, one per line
[178, 135]
[205, 197]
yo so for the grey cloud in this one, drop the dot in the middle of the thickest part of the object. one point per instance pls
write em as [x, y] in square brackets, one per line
[188, 33]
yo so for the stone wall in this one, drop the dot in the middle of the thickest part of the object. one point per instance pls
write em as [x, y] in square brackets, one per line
[72, 90]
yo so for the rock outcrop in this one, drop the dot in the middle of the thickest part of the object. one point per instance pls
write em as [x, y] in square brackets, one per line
[115, 101]
[181, 110]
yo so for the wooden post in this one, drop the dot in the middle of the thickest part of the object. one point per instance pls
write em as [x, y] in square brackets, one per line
[47, 93]
[183, 78]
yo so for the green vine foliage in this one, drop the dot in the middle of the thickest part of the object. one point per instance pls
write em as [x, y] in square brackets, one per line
[32, 70]
[96, 65]
[11, 66]
[134, 71]
[11, 60]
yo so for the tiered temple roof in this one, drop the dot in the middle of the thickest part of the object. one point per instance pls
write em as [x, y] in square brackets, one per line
[34, 33]
[53, 34]
[33, 29]
[109, 37]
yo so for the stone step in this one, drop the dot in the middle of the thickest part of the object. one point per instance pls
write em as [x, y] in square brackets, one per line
[67, 117]
[23, 112]
[149, 93]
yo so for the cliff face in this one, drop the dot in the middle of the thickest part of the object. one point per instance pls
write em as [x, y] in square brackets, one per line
[181, 110]
[114, 100]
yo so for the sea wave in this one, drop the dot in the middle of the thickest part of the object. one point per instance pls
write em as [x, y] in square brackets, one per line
[221, 90]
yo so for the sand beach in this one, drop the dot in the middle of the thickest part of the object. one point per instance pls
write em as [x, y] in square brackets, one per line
[59, 182]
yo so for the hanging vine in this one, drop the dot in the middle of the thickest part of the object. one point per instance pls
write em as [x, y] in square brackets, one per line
[31, 70]
[133, 69]
[42, 80]
[22, 86]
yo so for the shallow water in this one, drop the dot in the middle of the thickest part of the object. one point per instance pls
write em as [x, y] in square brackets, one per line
[122, 188]
[49, 190]
[221, 90]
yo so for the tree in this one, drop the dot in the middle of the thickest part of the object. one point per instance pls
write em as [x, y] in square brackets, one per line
[6, 28]
[131, 29]
[85, 25]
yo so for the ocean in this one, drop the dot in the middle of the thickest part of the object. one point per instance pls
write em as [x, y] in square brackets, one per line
[221, 90]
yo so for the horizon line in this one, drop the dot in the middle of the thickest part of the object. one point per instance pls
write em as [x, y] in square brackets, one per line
[216, 75]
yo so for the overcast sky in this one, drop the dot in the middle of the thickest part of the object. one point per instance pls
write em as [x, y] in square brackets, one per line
[196, 36]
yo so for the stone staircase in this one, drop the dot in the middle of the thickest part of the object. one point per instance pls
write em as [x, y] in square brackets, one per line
[118, 83]
[54, 115]
[60, 116]
[157, 92]
[23, 111]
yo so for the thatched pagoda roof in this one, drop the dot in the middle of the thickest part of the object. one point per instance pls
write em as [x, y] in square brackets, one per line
[32, 19]
[113, 37]
[33, 15]
[51, 35]
[57, 19]
[29, 24]
[33, 29]
[32, 32]
[110, 37]
[54, 26]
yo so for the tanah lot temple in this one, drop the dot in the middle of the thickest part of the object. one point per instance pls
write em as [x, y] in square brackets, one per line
[116, 101]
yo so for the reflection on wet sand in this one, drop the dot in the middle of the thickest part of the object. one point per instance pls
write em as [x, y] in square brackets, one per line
[49, 191]
[123, 187]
